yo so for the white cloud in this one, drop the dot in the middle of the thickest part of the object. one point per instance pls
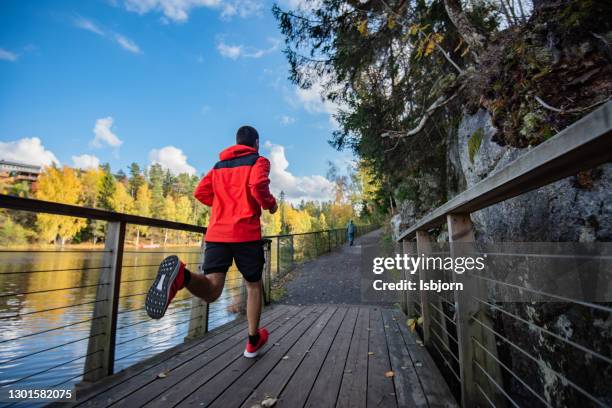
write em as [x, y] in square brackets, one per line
[238, 51]
[229, 51]
[296, 188]
[173, 159]
[85, 161]
[312, 101]
[178, 11]
[104, 135]
[287, 120]
[8, 55]
[122, 40]
[85, 24]
[127, 44]
[27, 150]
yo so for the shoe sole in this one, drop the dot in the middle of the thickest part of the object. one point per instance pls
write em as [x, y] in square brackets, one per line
[251, 355]
[159, 292]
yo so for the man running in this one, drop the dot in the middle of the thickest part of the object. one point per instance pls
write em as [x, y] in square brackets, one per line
[236, 188]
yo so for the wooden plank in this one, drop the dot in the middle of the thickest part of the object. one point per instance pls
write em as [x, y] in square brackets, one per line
[128, 385]
[353, 389]
[583, 145]
[408, 388]
[236, 393]
[180, 382]
[434, 386]
[381, 390]
[233, 373]
[299, 386]
[168, 357]
[325, 390]
[276, 380]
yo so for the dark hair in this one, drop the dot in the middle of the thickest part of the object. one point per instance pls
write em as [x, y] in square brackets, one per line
[247, 135]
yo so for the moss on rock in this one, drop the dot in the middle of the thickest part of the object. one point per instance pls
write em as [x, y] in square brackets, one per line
[474, 143]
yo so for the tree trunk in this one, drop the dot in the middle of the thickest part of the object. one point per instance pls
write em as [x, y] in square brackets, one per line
[466, 29]
[137, 236]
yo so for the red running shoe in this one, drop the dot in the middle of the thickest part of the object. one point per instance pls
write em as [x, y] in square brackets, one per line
[252, 351]
[170, 279]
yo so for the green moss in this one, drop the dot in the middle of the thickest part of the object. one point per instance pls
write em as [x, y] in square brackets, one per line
[532, 122]
[474, 143]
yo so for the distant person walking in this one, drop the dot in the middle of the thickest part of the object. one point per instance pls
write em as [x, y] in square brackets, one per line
[350, 231]
[236, 188]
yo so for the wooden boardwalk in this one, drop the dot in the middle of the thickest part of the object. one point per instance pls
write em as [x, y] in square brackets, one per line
[317, 356]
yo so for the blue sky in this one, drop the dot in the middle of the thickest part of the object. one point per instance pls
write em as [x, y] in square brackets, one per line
[164, 81]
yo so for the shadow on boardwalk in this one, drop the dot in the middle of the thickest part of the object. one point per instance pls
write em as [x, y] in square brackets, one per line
[333, 278]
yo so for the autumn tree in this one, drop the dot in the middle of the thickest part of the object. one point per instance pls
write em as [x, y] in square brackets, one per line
[61, 186]
[142, 207]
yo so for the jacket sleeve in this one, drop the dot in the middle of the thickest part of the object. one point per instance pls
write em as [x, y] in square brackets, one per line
[204, 191]
[259, 184]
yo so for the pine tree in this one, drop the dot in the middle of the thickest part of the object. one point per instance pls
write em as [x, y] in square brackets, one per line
[136, 179]
[107, 189]
[156, 174]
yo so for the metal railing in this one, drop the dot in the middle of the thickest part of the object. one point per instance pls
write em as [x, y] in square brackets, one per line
[485, 364]
[76, 316]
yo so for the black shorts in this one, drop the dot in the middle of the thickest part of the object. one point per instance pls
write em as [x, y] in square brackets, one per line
[249, 257]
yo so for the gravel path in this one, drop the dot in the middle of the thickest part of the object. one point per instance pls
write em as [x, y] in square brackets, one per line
[331, 278]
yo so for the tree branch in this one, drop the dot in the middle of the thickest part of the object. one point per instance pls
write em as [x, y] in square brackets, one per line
[466, 29]
[438, 103]
[438, 46]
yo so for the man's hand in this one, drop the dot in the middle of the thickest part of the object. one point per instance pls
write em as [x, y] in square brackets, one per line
[274, 209]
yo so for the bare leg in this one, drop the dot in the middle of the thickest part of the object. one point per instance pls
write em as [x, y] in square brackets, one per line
[254, 293]
[207, 287]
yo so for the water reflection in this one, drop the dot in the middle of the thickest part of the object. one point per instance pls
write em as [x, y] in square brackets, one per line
[46, 306]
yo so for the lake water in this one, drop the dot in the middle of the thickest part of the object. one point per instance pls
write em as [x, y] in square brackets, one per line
[44, 327]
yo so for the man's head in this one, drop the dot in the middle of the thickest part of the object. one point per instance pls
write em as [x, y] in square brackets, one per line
[248, 136]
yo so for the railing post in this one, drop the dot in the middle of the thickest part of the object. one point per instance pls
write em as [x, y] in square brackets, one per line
[198, 323]
[292, 252]
[423, 248]
[460, 230]
[278, 257]
[407, 299]
[100, 360]
[329, 245]
[267, 277]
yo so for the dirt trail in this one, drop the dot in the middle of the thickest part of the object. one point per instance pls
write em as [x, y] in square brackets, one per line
[331, 278]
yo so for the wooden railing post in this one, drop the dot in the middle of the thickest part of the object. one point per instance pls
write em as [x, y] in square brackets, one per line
[460, 230]
[100, 360]
[329, 245]
[424, 248]
[292, 248]
[267, 275]
[408, 297]
[198, 323]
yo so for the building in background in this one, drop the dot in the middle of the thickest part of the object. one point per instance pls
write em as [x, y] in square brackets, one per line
[15, 172]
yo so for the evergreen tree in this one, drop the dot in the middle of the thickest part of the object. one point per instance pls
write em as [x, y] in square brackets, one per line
[107, 189]
[136, 179]
[156, 175]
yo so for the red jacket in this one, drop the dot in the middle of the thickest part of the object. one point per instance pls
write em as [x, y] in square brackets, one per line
[236, 188]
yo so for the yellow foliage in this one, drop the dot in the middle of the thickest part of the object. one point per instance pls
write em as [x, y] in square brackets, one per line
[60, 186]
[363, 27]
[121, 200]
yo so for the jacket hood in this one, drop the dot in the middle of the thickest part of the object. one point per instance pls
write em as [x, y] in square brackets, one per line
[236, 151]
